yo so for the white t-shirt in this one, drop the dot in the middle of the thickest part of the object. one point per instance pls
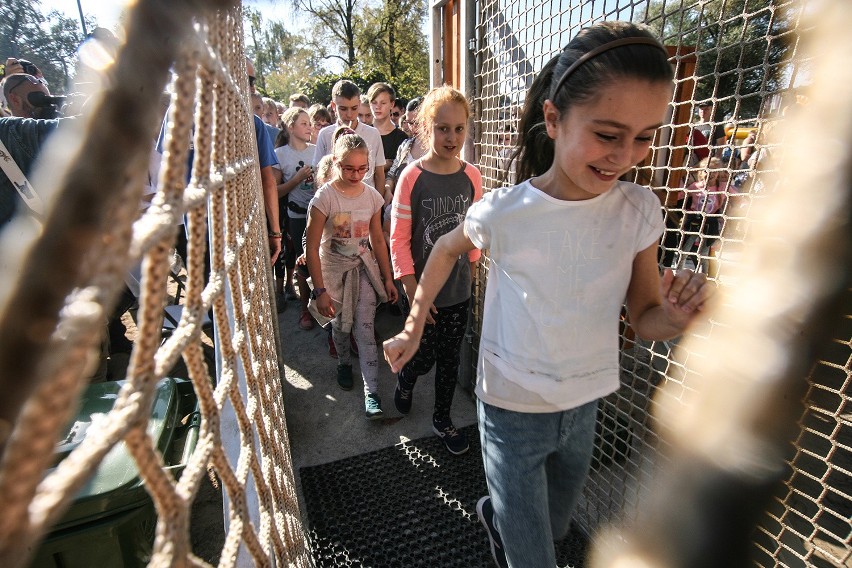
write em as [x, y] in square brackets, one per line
[370, 135]
[291, 161]
[558, 277]
[347, 227]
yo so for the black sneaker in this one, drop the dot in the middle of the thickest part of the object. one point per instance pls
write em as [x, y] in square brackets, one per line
[344, 377]
[402, 397]
[455, 441]
[485, 512]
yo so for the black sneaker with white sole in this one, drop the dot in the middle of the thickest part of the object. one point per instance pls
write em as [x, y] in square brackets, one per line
[455, 441]
[402, 396]
[485, 512]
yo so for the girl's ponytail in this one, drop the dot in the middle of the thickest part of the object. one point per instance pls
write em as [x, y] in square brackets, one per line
[533, 152]
[344, 140]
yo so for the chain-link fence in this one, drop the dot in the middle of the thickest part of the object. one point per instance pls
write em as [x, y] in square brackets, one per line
[739, 70]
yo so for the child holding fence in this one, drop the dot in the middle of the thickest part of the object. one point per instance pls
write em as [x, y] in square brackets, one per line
[432, 197]
[568, 246]
[344, 223]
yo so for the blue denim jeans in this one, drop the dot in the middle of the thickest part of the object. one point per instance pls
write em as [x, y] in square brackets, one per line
[535, 466]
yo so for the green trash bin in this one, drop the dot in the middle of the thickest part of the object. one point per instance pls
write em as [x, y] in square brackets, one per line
[112, 520]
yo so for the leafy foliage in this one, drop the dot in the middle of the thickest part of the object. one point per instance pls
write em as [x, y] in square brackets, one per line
[336, 23]
[371, 43]
[741, 46]
[283, 60]
[394, 42]
[48, 40]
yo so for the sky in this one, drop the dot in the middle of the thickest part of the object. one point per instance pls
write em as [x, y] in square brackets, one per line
[107, 12]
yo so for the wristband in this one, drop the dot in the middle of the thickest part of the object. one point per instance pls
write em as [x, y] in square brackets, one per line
[317, 292]
[275, 235]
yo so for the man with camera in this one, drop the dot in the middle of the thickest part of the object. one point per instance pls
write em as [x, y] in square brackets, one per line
[28, 97]
[26, 92]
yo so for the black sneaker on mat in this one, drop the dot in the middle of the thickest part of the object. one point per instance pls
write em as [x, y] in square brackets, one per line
[485, 512]
[455, 441]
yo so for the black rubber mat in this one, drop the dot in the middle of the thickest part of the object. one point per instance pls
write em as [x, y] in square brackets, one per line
[410, 505]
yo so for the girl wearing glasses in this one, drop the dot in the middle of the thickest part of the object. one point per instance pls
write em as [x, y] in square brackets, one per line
[348, 261]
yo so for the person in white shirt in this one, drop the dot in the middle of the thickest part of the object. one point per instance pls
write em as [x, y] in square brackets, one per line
[567, 247]
[346, 99]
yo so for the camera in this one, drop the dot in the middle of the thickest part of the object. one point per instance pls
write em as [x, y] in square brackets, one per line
[45, 106]
[55, 106]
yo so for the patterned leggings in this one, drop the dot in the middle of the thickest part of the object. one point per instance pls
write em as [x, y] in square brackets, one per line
[365, 338]
[440, 347]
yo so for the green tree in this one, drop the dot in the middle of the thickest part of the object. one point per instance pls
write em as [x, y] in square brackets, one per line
[319, 88]
[48, 40]
[393, 42]
[336, 25]
[283, 60]
[741, 45]
[375, 43]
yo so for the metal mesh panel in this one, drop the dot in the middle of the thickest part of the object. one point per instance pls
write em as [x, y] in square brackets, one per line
[741, 60]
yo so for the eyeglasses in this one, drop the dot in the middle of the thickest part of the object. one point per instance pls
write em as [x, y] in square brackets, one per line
[395, 115]
[409, 122]
[351, 170]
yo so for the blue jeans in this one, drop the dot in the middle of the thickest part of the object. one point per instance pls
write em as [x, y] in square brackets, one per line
[535, 466]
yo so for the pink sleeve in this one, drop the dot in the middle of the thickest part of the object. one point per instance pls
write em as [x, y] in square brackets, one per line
[400, 240]
[476, 179]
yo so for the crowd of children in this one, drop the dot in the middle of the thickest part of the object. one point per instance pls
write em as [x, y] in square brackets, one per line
[568, 245]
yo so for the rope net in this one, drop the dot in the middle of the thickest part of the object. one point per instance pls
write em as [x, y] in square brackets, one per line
[209, 113]
[740, 72]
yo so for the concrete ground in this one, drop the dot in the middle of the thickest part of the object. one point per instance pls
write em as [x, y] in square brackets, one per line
[325, 423]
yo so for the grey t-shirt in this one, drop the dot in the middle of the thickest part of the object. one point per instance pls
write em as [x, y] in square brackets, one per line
[427, 206]
[291, 161]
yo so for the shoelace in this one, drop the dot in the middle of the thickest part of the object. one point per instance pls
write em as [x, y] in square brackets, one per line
[450, 431]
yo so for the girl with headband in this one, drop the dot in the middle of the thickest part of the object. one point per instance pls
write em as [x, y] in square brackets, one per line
[568, 246]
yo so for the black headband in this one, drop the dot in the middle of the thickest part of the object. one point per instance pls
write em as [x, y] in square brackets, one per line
[606, 47]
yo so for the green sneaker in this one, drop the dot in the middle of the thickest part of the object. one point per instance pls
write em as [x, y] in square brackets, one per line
[344, 377]
[373, 406]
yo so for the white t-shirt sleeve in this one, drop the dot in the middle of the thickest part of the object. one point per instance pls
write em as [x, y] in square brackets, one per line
[653, 228]
[323, 145]
[379, 154]
[279, 153]
[477, 222]
[321, 200]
